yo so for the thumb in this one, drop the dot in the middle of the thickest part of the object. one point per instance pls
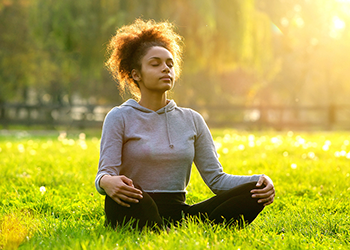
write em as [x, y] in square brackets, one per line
[260, 181]
[127, 181]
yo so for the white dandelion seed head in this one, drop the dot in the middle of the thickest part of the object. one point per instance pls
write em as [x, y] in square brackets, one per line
[42, 189]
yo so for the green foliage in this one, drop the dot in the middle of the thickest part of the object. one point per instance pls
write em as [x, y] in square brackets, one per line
[264, 52]
[48, 196]
[60, 50]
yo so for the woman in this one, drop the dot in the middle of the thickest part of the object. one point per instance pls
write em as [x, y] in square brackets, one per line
[148, 147]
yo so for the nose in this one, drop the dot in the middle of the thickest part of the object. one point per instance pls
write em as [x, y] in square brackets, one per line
[166, 68]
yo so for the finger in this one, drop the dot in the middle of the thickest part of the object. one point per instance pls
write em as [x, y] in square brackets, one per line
[260, 181]
[127, 181]
[122, 194]
[117, 200]
[263, 190]
[132, 190]
[263, 195]
[127, 198]
[268, 203]
[260, 191]
[267, 200]
[132, 194]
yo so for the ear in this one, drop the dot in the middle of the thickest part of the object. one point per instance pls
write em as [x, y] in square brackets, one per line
[136, 75]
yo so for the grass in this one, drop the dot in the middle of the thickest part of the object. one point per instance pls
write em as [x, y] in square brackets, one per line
[48, 199]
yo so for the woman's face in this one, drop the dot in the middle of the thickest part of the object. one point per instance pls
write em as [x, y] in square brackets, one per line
[157, 71]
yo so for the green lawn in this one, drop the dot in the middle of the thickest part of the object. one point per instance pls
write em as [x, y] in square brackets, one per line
[48, 199]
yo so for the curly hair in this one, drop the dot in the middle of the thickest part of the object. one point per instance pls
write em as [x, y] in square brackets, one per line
[132, 42]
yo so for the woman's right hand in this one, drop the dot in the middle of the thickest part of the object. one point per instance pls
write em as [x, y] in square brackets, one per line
[121, 189]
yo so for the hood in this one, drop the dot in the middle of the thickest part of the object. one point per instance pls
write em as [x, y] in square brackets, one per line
[132, 103]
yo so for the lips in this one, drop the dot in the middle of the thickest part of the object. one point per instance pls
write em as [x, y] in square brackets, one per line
[166, 78]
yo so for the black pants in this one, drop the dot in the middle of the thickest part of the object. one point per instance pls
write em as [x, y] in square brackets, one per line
[234, 206]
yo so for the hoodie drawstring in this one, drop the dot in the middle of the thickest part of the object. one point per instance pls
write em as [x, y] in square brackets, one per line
[167, 127]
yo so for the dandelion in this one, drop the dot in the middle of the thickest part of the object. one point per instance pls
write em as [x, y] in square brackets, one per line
[251, 138]
[285, 153]
[311, 155]
[82, 136]
[274, 140]
[347, 155]
[342, 153]
[241, 147]
[300, 140]
[20, 148]
[227, 138]
[83, 145]
[42, 190]
[62, 136]
[337, 154]
[293, 166]
[225, 150]
[9, 145]
[325, 147]
[290, 133]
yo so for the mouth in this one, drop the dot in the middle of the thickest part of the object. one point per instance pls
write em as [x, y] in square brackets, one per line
[166, 78]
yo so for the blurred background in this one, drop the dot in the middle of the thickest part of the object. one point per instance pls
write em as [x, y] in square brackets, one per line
[280, 64]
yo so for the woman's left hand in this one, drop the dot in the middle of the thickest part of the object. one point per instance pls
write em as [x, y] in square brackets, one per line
[265, 195]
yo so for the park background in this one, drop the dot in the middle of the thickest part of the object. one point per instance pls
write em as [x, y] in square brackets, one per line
[271, 78]
[281, 64]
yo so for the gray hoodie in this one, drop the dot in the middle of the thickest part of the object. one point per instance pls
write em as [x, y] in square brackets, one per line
[156, 149]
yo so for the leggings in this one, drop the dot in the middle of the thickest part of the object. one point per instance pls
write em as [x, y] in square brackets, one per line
[232, 207]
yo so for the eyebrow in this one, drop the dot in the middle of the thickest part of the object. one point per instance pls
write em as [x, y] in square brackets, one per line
[158, 58]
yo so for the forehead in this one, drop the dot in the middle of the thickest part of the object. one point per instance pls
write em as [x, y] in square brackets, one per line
[158, 52]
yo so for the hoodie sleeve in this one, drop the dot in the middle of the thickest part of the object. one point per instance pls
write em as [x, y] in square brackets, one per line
[111, 146]
[207, 162]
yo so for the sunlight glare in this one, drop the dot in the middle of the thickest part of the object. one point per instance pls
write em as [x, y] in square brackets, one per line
[338, 23]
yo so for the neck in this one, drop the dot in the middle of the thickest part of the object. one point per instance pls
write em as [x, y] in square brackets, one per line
[153, 102]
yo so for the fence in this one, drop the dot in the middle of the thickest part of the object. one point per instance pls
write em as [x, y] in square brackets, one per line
[243, 117]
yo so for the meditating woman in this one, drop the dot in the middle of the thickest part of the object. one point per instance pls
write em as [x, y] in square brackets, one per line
[148, 143]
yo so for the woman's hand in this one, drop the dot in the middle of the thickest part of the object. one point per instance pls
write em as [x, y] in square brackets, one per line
[265, 195]
[120, 189]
